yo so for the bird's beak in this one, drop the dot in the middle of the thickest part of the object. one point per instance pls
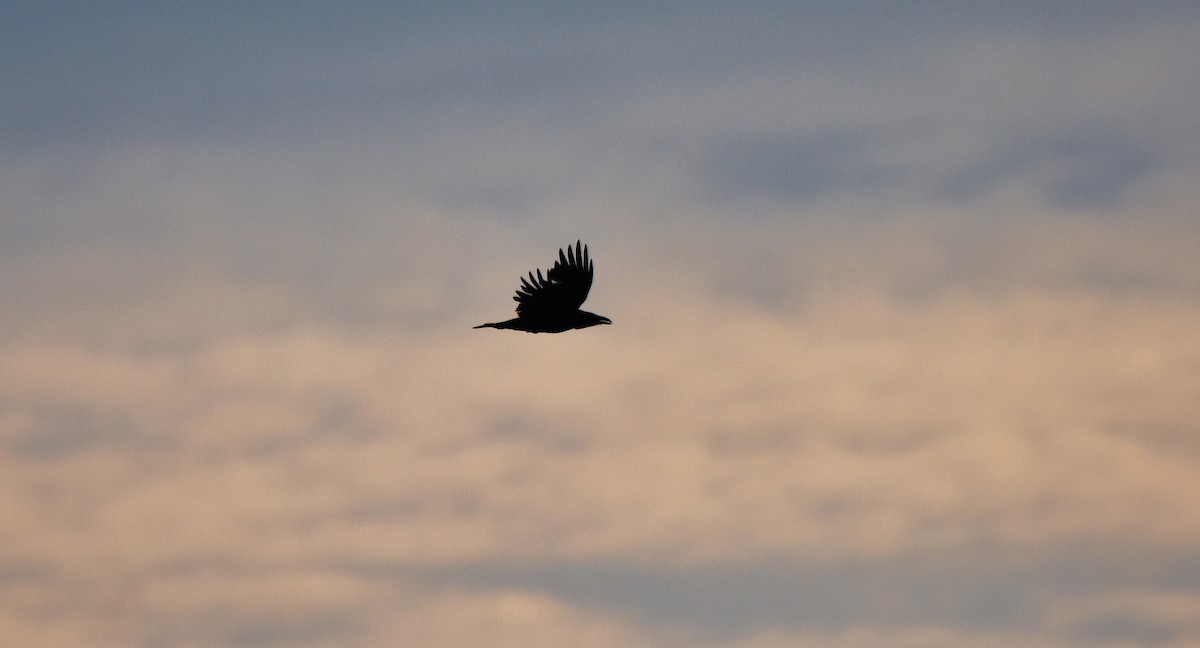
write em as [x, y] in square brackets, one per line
[605, 320]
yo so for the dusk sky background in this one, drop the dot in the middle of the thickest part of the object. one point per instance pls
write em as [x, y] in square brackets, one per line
[905, 352]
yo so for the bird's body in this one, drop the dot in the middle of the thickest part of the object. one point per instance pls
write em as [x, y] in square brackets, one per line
[551, 304]
[583, 319]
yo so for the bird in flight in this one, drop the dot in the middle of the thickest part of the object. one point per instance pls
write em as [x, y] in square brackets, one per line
[551, 304]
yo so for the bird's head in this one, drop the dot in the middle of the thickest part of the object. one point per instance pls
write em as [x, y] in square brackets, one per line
[586, 319]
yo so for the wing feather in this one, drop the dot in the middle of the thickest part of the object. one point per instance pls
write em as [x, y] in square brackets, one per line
[562, 289]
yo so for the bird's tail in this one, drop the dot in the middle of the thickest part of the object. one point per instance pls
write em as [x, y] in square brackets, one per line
[507, 324]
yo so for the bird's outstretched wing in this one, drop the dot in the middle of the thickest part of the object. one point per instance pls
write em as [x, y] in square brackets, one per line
[562, 290]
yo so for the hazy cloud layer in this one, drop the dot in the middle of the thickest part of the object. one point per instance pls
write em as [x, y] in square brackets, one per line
[905, 346]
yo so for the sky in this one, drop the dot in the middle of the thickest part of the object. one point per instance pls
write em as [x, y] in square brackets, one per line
[905, 346]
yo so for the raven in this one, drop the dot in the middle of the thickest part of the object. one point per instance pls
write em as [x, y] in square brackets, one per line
[551, 304]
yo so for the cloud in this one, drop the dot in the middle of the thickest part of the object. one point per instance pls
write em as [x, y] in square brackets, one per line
[861, 428]
[1166, 615]
[242, 403]
[796, 168]
[1079, 172]
[295, 607]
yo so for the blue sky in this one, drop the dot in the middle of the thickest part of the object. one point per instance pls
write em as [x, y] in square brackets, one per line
[904, 348]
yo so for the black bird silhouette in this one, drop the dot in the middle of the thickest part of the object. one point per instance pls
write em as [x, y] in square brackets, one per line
[551, 304]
